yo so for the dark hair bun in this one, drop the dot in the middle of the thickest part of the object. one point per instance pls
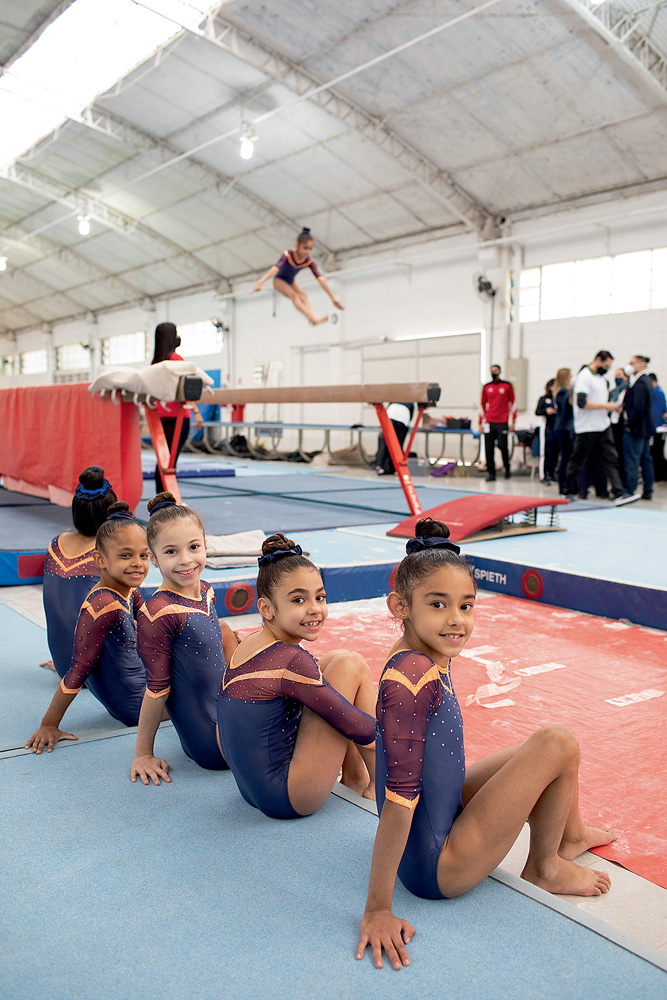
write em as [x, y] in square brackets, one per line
[119, 507]
[92, 477]
[428, 528]
[276, 543]
[305, 231]
[160, 498]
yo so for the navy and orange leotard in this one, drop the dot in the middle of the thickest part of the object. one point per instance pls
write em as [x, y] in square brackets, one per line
[181, 645]
[67, 583]
[289, 266]
[105, 656]
[259, 710]
[420, 762]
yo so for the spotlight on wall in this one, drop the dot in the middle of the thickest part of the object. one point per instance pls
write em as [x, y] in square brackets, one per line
[84, 224]
[3, 263]
[248, 137]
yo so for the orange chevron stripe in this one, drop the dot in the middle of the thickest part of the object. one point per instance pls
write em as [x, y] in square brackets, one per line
[80, 560]
[395, 675]
[115, 606]
[410, 804]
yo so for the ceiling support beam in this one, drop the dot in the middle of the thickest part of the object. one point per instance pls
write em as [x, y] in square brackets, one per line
[229, 37]
[79, 202]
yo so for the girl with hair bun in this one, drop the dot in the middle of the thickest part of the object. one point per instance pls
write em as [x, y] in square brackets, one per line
[284, 278]
[286, 721]
[181, 643]
[444, 827]
[70, 570]
[105, 656]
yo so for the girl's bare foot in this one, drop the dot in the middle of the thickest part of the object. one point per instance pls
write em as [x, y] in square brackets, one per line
[369, 792]
[318, 319]
[48, 664]
[564, 877]
[354, 772]
[590, 836]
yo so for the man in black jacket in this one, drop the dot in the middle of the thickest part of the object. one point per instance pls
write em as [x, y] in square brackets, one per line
[638, 428]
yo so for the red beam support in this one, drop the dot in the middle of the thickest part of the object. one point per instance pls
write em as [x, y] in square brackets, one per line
[400, 457]
[166, 458]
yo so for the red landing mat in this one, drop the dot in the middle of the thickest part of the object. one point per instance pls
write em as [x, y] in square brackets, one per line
[468, 515]
[529, 665]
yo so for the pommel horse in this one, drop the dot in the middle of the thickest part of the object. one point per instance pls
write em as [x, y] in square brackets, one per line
[190, 390]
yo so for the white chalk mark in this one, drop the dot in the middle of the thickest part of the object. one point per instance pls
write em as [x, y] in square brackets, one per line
[632, 699]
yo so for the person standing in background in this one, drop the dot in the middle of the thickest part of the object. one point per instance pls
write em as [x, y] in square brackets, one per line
[546, 409]
[497, 413]
[564, 428]
[592, 433]
[617, 394]
[400, 415]
[659, 419]
[166, 342]
[638, 428]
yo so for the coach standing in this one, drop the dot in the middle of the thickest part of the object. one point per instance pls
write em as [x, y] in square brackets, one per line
[592, 431]
[498, 411]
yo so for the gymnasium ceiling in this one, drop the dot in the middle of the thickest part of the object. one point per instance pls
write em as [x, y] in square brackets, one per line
[519, 107]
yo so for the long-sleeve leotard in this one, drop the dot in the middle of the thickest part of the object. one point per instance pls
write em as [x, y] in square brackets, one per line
[282, 670]
[420, 761]
[181, 645]
[105, 655]
[67, 583]
[289, 266]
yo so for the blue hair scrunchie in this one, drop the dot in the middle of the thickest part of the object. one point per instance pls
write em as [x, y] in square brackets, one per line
[435, 542]
[162, 505]
[278, 554]
[81, 493]
[118, 514]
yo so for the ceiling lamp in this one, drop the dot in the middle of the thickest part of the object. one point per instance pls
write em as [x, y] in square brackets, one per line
[3, 263]
[248, 137]
[84, 224]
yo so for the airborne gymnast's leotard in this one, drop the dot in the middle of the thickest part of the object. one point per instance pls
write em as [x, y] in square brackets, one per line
[420, 762]
[289, 266]
[181, 645]
[259, 709]
[67, 583]
[105, 654]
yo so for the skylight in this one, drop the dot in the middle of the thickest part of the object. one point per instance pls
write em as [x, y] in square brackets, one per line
[80, 55]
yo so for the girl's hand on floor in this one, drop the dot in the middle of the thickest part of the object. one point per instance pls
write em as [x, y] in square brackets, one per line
[47, 736]
[149, 769]
[381, 929]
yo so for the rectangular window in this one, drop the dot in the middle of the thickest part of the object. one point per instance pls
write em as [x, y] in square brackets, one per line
[557, 291]
[124, 349]
[34, 362]
[592, 291]
[72, 358]
[529, 294]
[659, 279]
[200, 338]
[631, 282]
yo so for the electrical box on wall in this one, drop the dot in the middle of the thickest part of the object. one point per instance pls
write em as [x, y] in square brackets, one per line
[516, 372]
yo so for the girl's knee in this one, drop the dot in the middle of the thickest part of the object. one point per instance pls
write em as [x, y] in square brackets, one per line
[560, 740]
[344, 659]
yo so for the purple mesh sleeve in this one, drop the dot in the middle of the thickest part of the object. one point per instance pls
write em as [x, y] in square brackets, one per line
[99, 613]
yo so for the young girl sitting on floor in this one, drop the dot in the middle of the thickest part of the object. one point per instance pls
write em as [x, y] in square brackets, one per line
[285, 720]
[443, 828]
[284, 278]
[105, 656]
[181, 642]
[70, 570]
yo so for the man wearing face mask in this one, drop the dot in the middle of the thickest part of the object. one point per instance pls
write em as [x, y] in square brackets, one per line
[498, 412]
[590, 397]
[638, 428]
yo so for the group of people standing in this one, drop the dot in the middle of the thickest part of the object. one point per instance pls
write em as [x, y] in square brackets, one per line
[594, 434]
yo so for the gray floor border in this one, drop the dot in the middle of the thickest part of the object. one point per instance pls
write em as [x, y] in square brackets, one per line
[87, 736]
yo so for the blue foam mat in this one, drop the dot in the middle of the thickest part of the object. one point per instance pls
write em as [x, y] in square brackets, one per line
[123, 891]
[27, 690]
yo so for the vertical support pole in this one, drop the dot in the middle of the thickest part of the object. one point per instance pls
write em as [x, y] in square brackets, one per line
[399, 458]
[165, 457]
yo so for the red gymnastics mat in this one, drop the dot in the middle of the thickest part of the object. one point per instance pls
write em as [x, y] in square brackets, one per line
[529, 665]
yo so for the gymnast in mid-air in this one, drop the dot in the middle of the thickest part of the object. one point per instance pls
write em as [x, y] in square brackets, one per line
[443, 826]
[284, 278]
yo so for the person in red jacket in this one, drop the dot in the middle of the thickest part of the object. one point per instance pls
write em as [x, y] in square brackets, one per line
[498, 412]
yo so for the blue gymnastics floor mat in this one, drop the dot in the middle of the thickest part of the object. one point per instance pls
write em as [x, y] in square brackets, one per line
[123, 891]
[27, 690]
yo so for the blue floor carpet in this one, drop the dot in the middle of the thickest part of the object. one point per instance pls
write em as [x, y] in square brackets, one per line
[27, 690]
[123, 891]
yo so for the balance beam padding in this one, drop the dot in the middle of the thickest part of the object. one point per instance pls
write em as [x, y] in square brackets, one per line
[468, 515]
[385, 392]
[51, 433]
